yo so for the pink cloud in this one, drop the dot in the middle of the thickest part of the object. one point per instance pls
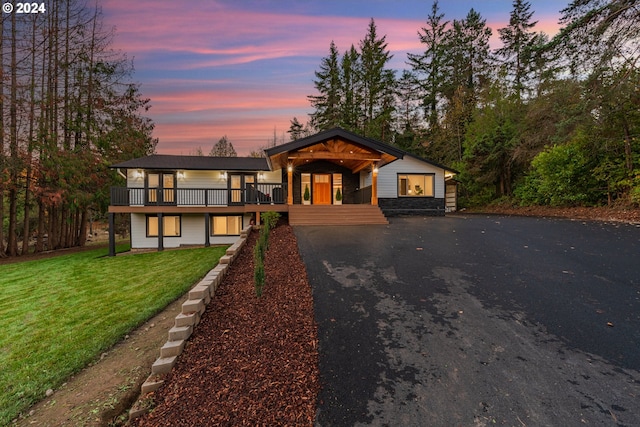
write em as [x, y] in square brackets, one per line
[225, 49]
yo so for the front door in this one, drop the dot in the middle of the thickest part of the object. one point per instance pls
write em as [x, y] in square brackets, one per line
[322, 189]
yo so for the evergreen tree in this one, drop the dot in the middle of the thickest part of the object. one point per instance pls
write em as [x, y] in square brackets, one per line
[518, 43]
[430, 65]
[350, 108]
[223, 148]
[296, 130]
[469, 54]
[408, 118]
[378, 85]
[328, 84]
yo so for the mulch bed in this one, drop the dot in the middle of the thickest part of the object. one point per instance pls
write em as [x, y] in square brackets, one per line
[606, 214]
[251, 361]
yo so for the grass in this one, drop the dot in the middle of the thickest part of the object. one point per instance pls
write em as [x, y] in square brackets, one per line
[57, 315]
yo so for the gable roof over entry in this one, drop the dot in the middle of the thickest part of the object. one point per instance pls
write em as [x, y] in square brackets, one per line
[334, 145]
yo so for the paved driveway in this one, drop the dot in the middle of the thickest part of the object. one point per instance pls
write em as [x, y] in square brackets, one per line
[477, 320]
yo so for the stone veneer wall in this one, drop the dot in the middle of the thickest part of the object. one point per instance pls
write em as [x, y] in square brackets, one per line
[412, 206]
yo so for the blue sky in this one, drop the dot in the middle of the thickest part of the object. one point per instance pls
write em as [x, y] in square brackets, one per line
[244, 68]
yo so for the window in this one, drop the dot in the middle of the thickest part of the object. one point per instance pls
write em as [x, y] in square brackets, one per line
[416, 185]
[171, 225]
[226, 225]
[161, 186]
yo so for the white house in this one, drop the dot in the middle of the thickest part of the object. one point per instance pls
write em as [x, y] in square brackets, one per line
[333, 177]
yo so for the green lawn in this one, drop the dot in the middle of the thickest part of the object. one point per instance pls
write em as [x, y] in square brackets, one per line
[59, 314]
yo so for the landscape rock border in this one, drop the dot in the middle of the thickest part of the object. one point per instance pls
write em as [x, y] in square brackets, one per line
[192, 309]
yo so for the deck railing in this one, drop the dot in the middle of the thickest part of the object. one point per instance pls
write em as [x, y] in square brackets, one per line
[251, 194]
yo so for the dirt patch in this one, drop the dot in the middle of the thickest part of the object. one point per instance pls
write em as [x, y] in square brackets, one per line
[101, 392]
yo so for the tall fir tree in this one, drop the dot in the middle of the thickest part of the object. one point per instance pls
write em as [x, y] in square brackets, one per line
[430, 65]
[378, 85]
[351, 82]
[518, 42]
[327, 103]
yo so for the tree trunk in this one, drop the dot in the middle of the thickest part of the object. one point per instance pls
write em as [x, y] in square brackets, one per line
[12, 241]
[82, 238]
[30, 137]
[628, 154]
[41, 227]
[2, 156]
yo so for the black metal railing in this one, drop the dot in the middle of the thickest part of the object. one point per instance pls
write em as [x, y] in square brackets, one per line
[250, 195]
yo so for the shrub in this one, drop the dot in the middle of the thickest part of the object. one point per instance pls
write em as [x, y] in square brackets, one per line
[270, 219]
[259, 275]
[560, 175]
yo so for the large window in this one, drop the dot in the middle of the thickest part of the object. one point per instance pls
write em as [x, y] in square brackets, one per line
[416, 185]
[171, 225]
[226, 225]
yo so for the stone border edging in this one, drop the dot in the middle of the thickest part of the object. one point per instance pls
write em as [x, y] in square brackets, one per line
[199, 297]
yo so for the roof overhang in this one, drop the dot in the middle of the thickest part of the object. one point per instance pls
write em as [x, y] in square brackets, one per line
[336, 145]
[171, 162]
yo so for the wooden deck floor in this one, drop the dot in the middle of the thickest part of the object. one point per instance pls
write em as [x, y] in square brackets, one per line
[336, 215]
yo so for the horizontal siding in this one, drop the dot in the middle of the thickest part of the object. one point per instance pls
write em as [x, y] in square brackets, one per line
[388, 176]
[139, 238]
[202, 179]
[192, 230]
[271, 177]
[135, 179]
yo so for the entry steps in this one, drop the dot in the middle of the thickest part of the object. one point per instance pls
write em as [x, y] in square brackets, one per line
[336, 215]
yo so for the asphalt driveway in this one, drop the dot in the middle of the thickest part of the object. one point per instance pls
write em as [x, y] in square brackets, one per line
[477, 320]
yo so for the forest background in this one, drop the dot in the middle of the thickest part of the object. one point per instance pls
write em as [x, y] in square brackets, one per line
[538, 121]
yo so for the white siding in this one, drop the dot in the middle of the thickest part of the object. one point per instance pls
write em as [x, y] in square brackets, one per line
[271, 177]
[135, 178]
[388, 176]
[202, 179]
[139, 239]
[192, 230]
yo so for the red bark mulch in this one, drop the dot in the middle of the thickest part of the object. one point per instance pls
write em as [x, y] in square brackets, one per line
[606, 214]
[251, 361]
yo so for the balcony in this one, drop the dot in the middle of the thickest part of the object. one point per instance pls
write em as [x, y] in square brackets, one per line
[252, 194]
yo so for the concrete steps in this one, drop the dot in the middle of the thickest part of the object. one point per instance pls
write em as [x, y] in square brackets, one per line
[336, 215]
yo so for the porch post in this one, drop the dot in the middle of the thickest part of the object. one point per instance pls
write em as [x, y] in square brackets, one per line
[112, 234]
[160, 232]
[289, 185]
[374, 185]
[207, 221]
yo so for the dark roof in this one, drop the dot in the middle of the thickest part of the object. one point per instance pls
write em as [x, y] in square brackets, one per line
[422, 159]
[335, 133]
[338, 132]
[169, 162]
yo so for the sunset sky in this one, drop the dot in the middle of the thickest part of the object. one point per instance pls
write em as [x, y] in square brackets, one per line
[244, 68]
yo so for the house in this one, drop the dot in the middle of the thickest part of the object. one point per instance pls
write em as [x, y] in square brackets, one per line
[334, 176]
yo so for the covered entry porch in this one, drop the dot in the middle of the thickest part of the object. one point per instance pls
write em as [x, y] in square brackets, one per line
[334, 167]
